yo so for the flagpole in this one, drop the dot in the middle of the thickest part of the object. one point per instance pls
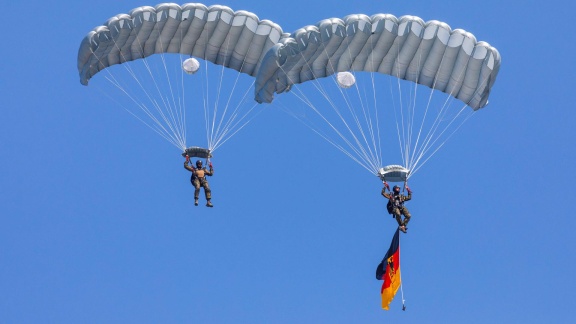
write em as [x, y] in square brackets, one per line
[402, 289]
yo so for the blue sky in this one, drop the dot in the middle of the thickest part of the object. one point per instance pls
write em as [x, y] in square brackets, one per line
[97, 216]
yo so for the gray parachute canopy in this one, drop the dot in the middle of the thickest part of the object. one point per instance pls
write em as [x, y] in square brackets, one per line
[428, 53]
[237, 40]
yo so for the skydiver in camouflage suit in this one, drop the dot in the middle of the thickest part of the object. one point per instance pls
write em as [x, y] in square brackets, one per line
[198, 180]
[396, 206]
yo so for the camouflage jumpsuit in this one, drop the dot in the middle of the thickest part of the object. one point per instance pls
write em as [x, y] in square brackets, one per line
[199, 180]
[396, 206]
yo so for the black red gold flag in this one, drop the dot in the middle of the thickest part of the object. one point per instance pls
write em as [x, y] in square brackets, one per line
[389, 271]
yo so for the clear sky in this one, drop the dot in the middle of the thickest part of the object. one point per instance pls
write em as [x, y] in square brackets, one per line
[97, 216]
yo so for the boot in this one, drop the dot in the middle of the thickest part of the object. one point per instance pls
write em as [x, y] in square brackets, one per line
[209, 204]
[405, 224]
[403, 228]
[195, 201]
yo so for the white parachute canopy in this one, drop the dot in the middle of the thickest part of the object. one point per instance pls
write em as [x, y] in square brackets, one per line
[191, 65]
[345, 79]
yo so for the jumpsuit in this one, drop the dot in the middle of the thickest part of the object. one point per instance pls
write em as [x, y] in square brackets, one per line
[396, 206]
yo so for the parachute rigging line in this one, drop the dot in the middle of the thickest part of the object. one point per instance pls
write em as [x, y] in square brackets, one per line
[370, 161]
[231, 124]
[414, 144]
[170, 126]
[219, 133]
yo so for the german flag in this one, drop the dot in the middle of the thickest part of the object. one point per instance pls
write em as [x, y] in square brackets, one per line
[389, 271]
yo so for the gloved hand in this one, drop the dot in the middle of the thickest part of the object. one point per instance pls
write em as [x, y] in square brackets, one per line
[187, 159]
[386, 185]
[408, 189]
[210, 164]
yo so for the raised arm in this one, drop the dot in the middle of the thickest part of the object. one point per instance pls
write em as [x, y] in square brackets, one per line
[186, 166]
[209, 172]
[384, 193]
[409, 194]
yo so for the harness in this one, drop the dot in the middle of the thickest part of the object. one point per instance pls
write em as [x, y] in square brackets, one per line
[398, 201]
[395, 202]
[201, 179]
[193, 175]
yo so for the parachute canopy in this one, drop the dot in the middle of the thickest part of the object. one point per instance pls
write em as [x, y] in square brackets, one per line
[428, 53]
[236, 40]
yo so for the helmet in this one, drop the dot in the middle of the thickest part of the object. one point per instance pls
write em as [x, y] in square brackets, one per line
[198, 163]
[396, 189]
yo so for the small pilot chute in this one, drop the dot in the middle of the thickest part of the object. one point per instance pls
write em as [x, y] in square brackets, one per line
[345, 79]
[191, 65]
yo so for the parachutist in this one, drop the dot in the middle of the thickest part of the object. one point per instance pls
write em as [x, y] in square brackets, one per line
[396, 206]
[403, 307]
[198, 179]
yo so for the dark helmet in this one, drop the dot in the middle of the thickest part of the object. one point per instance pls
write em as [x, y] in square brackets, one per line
[199, 163]
[396, 189]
